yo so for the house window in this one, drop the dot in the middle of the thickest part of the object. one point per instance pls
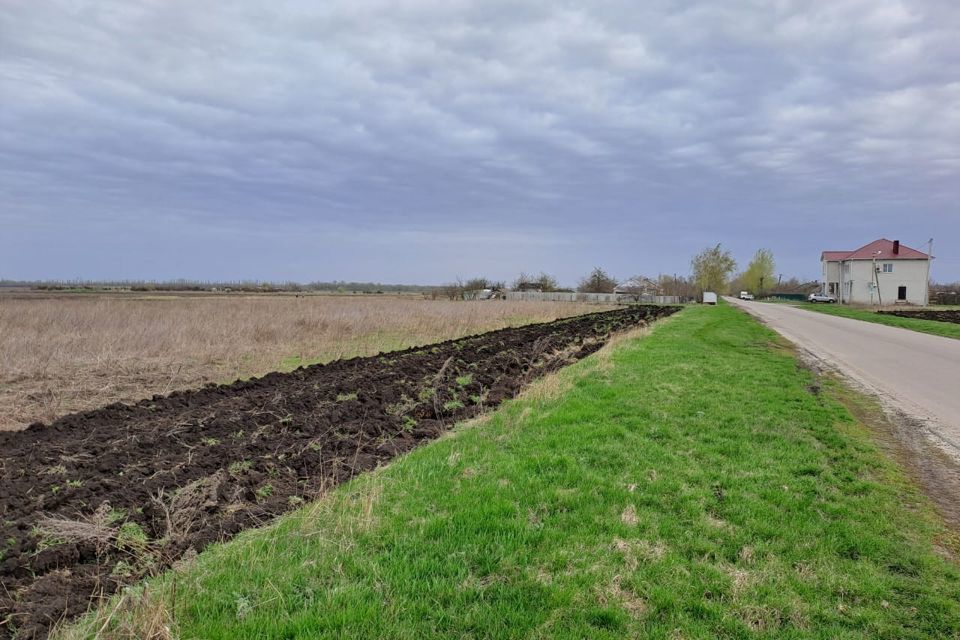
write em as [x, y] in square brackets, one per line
[888, 267]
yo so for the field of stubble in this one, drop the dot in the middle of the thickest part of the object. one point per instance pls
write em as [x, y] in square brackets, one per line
[65, 353]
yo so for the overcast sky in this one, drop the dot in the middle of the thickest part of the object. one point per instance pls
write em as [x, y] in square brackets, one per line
[419, 140]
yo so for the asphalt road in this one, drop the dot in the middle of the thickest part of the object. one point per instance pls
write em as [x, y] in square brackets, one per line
[917, 373]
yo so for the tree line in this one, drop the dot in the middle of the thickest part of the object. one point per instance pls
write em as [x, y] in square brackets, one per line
[713, 270]
[243, 286]
[598, 280]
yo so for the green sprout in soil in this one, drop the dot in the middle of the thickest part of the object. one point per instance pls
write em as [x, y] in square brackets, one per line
[131, 536]
[238, 467]
[123, 569]
[405, 405]
[45, 540]
[264, 492]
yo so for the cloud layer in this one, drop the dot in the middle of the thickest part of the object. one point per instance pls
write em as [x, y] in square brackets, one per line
[417, 140]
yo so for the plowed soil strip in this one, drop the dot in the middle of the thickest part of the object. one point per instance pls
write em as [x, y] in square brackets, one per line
[940, 315]
[96, 500]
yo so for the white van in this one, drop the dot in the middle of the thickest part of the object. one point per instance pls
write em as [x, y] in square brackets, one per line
[709, 297]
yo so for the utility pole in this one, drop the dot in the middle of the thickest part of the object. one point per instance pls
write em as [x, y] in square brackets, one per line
[876, 278]
[926, 285]
[841, 281]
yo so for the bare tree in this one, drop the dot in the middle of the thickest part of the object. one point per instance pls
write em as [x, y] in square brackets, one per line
[476, 284]
[597, 281]
[945, 293]
[541, 282]
[794, 285]
[677, 286]
[453, 290]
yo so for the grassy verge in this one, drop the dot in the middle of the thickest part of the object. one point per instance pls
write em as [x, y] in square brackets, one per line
[946, 329]
[692, 484]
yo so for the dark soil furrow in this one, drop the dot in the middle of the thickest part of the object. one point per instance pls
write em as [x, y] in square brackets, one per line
[98, 499]
[940, 315]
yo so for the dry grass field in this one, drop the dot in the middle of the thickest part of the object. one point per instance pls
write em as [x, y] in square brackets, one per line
[60, 354]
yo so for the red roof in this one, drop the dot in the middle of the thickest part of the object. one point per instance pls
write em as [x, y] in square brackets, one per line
[834, 255]
[882, 249]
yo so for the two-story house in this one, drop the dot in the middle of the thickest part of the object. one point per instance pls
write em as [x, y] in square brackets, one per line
[882, 272]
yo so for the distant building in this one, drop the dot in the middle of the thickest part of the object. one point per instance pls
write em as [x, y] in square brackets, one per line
[528, 287]
[480, 294]
[638, 286]
[882, 272]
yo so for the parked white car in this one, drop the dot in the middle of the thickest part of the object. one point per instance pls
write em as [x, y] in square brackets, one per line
[821, 297]
[746, 295]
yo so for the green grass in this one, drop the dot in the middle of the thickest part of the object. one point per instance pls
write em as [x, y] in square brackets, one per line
[946, 329]
[689, 484]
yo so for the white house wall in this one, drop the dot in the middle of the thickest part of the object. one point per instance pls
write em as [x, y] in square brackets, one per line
[858, 278]
[831, 273]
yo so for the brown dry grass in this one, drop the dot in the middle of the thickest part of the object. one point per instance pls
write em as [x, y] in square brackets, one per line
[60, 354]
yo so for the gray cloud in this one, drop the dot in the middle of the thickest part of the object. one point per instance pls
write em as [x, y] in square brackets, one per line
[164, 139]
